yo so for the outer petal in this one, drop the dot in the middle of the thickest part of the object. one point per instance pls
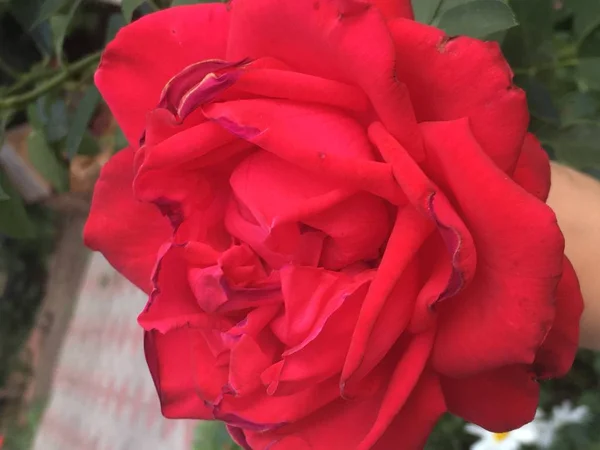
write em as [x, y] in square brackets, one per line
[345, 40]
[533, 168]
[450, 78]
[128, 232]
[500, 400]
[145, 55]
[413, 424]
[556, 355]
[503, 316]
[175, 377]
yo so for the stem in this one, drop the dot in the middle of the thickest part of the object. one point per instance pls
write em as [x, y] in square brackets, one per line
[18, 101]
[27, 79]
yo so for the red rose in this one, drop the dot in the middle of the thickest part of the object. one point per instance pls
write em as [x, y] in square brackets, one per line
[339, 217]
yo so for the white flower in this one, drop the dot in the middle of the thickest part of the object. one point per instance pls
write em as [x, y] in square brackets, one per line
[562, 415]
[540, 432]
[511, 440]
[566, 414]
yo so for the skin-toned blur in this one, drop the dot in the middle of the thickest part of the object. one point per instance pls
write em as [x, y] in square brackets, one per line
[575, 198]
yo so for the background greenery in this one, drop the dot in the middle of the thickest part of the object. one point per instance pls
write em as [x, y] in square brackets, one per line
[50, 48]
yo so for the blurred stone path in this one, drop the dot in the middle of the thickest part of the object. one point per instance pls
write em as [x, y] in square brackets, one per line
[102, 394]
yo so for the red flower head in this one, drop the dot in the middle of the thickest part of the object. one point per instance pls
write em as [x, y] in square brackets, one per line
[340, 220]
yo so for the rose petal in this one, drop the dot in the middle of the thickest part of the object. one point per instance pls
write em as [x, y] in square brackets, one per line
[386, 310]
[116, 218]
[439, 270]
[278, 245]
[260, 412]
[198, 84]
[184, 389]
[255, 321]
[172, 303]
[353, 419]
[131, 76]
[329, 145]
[300, 87]
[311, 328]
[413, 424]
[249, 358]
[555, 357]
[428, 199]
[344, 40]
[533, 168]
[405, 378]
[500, 400]
[275, 192]
[395, 8]
[356, 228]
[238, 436]
[462, 77]
[186, 145]
[503, 316]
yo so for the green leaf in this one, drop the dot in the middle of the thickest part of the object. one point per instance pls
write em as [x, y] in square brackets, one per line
[539, 99]
[26, 12]
[59, 24]
[578, 106]
[128, 7]
[577, 145]
[81, 119]
[536, 20]
[49, 115]
[57, 120]
[447, 5]
[478, 18]
[115, 23]
[89, 145]
[41, 10]
[586, 16]
[425, 10]
[588, 71]
[14, 221]
[44, 160]
[34, 115]
[589, 47]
